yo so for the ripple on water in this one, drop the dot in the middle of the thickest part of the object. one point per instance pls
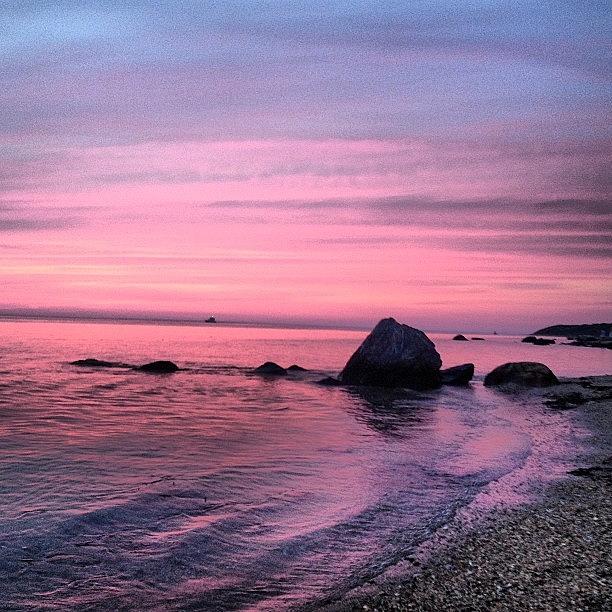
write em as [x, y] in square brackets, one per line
[216, 487]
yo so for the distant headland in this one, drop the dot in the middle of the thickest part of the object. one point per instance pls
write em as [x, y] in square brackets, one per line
[596, 330]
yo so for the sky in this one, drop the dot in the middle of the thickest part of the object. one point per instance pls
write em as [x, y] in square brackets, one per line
[332, 162]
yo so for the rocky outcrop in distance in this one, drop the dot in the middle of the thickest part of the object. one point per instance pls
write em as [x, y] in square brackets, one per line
[596, 330]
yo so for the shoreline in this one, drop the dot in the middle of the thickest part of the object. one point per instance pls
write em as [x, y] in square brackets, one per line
[552, 552]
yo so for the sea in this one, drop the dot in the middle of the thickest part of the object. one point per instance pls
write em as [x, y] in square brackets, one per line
[215, 488]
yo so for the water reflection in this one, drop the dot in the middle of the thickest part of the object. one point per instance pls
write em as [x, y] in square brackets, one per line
[391, 412]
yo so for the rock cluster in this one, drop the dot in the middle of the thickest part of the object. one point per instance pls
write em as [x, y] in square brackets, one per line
[155, 367]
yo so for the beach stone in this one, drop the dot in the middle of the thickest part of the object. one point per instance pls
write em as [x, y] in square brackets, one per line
[394, 355]
[270, 368]
[296, 368]
[521, 373]
[460, 338]
[159, 367]
[328, 381]
[458, 375]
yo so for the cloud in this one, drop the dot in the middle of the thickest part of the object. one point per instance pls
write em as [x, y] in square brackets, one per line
[564, 228]
[408, 211]
[112, 72]
[18, 218]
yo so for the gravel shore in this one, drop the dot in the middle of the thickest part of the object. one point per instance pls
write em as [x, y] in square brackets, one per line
[554, 554]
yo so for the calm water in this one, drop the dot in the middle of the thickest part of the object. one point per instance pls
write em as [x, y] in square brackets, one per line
[217, 489]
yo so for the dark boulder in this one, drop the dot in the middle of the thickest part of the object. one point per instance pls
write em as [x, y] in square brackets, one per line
[460, 338]
[270, 368]
[296, 368]
[329, 382]
[458, 375]
[394, 355]
[159, 367]
[521, 373]
[480, 339]
[529, 339]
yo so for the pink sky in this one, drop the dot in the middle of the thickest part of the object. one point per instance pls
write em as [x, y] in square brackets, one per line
[449, 170]
[318, 231]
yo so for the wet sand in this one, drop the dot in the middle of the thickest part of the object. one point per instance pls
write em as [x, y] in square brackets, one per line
[554, 553]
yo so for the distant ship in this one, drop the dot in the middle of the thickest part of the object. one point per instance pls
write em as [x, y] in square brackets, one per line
[210, 320]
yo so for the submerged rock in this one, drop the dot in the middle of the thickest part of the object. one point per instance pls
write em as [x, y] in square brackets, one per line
[538, 341]
[296, 368]
[97, 363]
[458, 375]
[460, 338]
[603, 471]
[328, 381]
[394, 355]
[521, 373]
[567, 401]
[270, 368]
[605, 344]
[477, 338]
[159, 367]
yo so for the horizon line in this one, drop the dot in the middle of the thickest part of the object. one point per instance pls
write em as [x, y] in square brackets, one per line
[135, 317]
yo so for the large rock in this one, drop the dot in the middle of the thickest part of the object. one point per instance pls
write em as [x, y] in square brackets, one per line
[458, 375]
[159, 367]
[521, 373]
[270, 368]
[460, 338]
[394, 355]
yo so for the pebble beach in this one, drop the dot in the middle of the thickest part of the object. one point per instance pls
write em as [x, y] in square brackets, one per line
[553, 553]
